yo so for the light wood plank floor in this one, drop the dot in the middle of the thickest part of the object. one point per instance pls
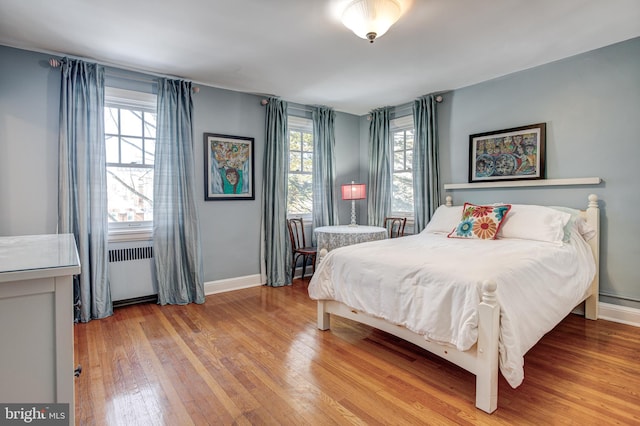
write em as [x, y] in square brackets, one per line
[254, 356]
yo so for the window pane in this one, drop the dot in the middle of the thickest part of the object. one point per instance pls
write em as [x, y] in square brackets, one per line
[149, 151]
[130, 194]
[131, 122]
[398, 160]
[149, 125]
[111, 143]
[111, 120]
[295, 141]
[409, 163]
[131, 151]
[299, 199]
[402, 192]
[307, 165]
[295, 163]
[398, 141]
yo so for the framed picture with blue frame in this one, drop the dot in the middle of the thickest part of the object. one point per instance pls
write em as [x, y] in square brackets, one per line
[509, 154]
[228, 167]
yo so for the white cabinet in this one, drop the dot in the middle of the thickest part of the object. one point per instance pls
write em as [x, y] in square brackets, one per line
[36, 319]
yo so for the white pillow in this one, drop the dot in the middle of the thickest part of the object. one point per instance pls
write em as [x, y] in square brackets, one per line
[576, 222]
[444, 220]
[587, 231]
[531, 222]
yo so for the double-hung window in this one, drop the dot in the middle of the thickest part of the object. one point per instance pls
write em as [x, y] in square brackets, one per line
[300, 181]
[130, 136]
[402, 136]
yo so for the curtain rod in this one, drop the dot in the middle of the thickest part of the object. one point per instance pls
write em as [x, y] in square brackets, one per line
[293, 106]
[114, 71]
[407, 107]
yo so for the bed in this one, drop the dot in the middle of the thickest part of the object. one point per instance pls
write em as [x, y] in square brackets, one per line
[478, 303]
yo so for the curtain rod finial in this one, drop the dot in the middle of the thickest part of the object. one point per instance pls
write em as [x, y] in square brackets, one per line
[439, 98]
[54, 62]
[196, 89]
[264, 102]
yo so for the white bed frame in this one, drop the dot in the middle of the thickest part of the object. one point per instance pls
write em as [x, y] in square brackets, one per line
[482, 358]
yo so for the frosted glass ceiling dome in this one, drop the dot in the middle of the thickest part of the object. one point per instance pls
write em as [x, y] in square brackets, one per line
[369, 19]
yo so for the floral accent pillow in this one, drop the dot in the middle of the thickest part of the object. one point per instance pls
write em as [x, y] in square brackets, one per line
[480, 222]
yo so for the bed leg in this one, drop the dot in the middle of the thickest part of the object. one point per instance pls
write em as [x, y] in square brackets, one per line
[487, 347]
[323, 317]
[591, 307]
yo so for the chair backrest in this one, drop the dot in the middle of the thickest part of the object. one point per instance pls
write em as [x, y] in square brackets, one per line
[395, 226]
[296, 233]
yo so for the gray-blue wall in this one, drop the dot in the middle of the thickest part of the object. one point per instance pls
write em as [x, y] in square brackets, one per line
[29, 101]
[591, 104]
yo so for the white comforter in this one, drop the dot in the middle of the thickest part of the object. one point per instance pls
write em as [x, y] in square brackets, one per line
[431, 284]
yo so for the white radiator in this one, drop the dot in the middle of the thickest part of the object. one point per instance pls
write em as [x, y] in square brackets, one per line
[131, 272]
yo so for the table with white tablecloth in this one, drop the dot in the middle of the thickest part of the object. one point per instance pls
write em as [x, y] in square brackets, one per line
[332, 237]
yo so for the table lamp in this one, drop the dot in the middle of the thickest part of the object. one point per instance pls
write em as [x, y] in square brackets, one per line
[354, 191]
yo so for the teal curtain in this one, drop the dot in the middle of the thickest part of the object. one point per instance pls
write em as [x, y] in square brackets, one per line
[276, 250]
[324, 169]
[176, 235]
[82, 183]
[426, 173]
[380, 156]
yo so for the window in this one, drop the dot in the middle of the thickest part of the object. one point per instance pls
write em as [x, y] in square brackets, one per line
[130, 135]
[402, 179]
[300, 193]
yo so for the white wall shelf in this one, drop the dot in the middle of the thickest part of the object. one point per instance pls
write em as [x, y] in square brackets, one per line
[524, 183]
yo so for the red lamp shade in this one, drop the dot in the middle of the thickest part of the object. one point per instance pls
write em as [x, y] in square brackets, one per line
[354, 191]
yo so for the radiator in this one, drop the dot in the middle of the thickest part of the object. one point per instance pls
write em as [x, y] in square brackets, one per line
[131, 272]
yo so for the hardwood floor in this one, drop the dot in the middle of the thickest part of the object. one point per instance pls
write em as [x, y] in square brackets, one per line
[255, 356]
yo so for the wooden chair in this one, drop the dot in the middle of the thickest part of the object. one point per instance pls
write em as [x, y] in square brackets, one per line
[299, 246]
[395, 226]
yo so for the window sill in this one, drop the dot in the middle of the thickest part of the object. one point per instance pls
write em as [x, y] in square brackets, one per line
[306, 217]
[129, 235]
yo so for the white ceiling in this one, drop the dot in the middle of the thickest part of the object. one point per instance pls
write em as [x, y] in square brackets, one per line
[298, 50]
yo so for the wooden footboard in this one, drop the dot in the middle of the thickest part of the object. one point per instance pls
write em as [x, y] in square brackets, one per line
[481, 359]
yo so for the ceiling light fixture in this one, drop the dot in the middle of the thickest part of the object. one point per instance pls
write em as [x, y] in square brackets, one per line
[369, 19]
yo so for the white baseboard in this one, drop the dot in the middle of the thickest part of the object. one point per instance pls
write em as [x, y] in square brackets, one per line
[230, 284]
[621, 314]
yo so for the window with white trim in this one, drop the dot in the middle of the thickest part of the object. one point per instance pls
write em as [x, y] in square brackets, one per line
[402, 135]
[300, 180]
[130, 137]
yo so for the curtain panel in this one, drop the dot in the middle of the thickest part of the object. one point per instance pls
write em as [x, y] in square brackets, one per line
[82, 183]
[426, 171]
[275, 243]
[380, 172]
[324, 169]
[176, 234]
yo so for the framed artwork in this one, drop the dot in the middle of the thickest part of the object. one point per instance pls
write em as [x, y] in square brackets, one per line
[228, 167]
[509, 154]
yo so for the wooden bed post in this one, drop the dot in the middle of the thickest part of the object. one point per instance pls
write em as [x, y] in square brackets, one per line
[593, 219]
[487, 349]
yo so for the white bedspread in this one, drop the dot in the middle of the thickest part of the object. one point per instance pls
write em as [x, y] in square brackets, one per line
[431, 284]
